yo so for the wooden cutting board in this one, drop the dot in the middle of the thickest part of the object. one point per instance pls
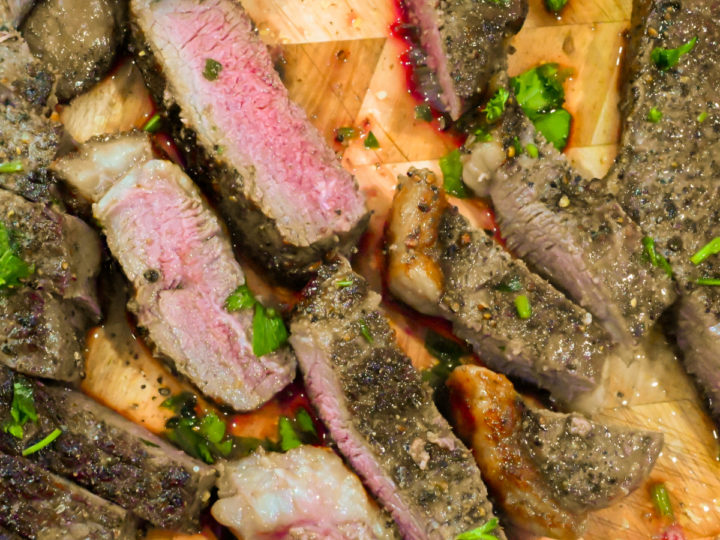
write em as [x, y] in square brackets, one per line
[343, 68]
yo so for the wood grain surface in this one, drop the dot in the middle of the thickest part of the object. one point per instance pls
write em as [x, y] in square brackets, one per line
[343, 67]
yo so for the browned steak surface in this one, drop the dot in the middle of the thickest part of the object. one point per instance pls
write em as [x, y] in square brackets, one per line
[666, 175]
[380, 414]
[110, 456]
[37, 504]
[22, 72]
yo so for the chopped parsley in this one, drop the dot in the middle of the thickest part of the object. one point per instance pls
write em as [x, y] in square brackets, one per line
[12, 267]
[661, 500]
[709, 249]
[365, 331]
[152, 125]
[448, 353]
[532, 150]
[654, 115]
[297, 431]
[496, 106]
[522, 305]
[342, 283]
[269, 331]
[481, 533]
[371, 141]
[481, 135]
[555, 6]
[22, 409]
[655, 258]
[423, 112]
[712, 282]
[452, 168]
[541, 95]
[345, 133]
[665, 59]
[212, 69]
[42, 443]
[11, 167]
[702, 117]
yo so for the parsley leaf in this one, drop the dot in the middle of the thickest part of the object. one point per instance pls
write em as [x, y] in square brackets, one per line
[269, 332]
[22, 409]
[555, 127]
[555, 5]
[371, 141]
[11, 167]
[664, 59]
[496, 106]
[481, 533]
[54, 434]
[345, 133]
[297, 431]
[447, 352]
[212, 69]
[288, 438]
[654, 115]
[12, 267]
[452, 168]
[241, 298]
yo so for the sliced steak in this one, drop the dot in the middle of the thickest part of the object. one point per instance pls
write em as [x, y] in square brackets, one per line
[547, 470]
[667, 173]
[380, 414]
[174, 250]
[77, 39]
[111, 456]
[307, 492]
[463, 45]
[437, 258]
[37, 504]
[23, 73]
[577, 236]
[272, 176]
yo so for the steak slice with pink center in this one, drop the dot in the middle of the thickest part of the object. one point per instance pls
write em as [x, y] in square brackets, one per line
[173, 249]
[273, 177]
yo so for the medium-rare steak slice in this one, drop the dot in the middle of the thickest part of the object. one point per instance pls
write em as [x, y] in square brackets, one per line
[77, 39]
[307, 493]
[173, 249]
[463, 45]
[546, 470]
[109, 455]
[667, 175]
[23, 73]
[437, 258]
[272, 176]
[37, 504]
[380, 414]
[575, 235]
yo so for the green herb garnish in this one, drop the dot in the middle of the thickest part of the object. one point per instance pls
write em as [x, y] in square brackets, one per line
[522, 305]
[541, 95]
[655, 258]
[661, 500]
[371, 141]
[423, 112]
[712, 282]
[709, 249]
[212, 69]
[555, 6]
[22, 409]
[288, 438]
[11, 167]
[481, 533]
[510, 285]
[241, 298]
[12, 267]
[481, 135]
[532, 150]
[664, 59]
[297, 431]
[702, 117]
[345, 133]
[654, 115]
[365, 331]
[448, 354]
[452, 168]
[496, 106]
[342, 283]
[269, 332]
[54, 434]
[152, 125]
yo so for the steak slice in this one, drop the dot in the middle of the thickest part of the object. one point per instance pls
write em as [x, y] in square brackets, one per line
[315, 495]
[463, 46]
[570, 231]
[667, 174]
[272, 176]
[23, 73]
[12, 12]
[37, 504]
[174, 250]
[380, 414]
[77, 39]
[111, 456]
[547, 470]
[437, 258]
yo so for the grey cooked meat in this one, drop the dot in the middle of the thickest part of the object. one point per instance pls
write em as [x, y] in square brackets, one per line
[577, 236]
[666, 175]
[37, 504]
[463, 45]
[12, 12]
[380, 414]
[77, 39]
[273, 178]
[23, 73]
[546, 470]
[436, 258]
[111, 456]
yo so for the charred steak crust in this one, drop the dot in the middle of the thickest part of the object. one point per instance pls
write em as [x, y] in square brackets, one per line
[37, 504]
[111, 456]
[570, 231]
[666, 174]
[379, 412]
[21, 72]
[225, 184]
[558, 347]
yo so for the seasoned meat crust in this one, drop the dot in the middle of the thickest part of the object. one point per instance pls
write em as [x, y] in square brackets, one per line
[380, 414]
[271, 175]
